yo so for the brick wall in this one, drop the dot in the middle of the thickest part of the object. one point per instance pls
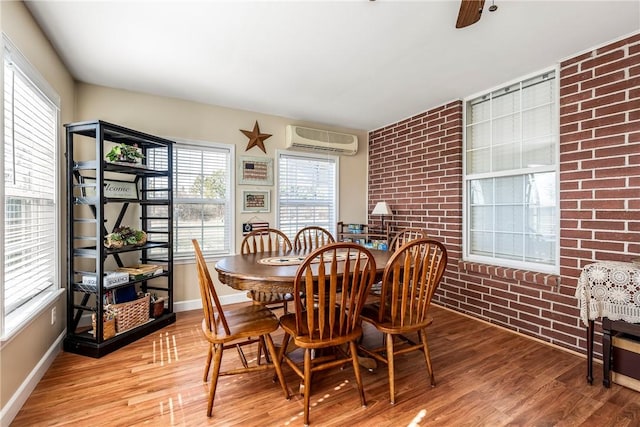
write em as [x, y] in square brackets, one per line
[416, 165]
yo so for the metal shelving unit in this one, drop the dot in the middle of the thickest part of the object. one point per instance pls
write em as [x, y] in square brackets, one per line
[93, 212]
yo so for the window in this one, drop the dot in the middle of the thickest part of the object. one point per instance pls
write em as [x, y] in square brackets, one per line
[202, 203]
[30, 202]
[307, 191]
[511, 175]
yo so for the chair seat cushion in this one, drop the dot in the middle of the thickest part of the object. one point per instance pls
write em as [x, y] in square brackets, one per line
[288, 323]
[269, 297]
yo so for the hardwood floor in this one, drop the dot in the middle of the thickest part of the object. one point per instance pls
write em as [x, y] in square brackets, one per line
[485, 377]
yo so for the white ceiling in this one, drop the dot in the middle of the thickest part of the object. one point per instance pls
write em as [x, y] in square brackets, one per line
[355, 64]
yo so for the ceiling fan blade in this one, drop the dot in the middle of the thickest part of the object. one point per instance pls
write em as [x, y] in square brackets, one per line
[470, 11]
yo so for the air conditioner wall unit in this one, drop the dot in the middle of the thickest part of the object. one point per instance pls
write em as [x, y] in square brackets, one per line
[303, 138]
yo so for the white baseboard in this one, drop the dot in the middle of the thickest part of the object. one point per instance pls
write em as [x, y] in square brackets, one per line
[11, 409]
[197, 304]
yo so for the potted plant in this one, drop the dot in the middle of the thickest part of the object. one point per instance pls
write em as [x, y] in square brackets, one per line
[125, 153]
[125, 236]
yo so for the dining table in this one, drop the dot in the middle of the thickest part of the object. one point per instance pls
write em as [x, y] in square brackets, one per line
[266, 274]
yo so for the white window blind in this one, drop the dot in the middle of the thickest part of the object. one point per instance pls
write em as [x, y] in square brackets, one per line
[307, 192]
[30, 188]
[202, 198]
[511, 161]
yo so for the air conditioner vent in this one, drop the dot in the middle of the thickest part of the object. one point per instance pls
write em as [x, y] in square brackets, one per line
[303, 138]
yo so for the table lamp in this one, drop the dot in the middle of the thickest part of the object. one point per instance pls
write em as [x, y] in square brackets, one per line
[382, 209]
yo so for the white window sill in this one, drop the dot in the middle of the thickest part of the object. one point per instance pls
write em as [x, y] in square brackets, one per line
[22, 317]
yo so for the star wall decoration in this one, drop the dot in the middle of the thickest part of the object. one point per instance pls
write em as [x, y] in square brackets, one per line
[256, 139]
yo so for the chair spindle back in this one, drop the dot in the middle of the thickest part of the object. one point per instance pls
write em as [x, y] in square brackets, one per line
[409, 281]
[312, 237]
[210, 300]
[265, 240]
[330, 288]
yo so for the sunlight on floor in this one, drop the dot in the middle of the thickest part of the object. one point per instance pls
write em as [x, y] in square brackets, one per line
[158, 349]
[415, 422]
[170, 410]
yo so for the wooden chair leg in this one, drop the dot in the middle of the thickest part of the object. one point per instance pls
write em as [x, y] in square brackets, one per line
[207, 364]
[276, 364]
[390, 366]
[356, 369]
[217, 361]
[283, 350]
[427, 356]
[262, 349]
[307, 384]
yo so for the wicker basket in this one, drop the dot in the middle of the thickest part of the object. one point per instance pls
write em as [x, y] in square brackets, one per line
[108, 327]
[131, 314]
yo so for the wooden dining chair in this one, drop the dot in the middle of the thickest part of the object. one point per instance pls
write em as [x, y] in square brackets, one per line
[311, 237]
[338, 276]
[233, 328]
[400, 238]
[267, 240]
[405, 235]
[409, 281]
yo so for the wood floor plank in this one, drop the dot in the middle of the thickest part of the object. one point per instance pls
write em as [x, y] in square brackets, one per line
[485, 376]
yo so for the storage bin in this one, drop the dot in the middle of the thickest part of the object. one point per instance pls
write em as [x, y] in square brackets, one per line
[626, 361]
[108, 327]
[131, 314]
[157, 308]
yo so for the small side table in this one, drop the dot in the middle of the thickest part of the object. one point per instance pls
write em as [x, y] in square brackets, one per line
[608, 290]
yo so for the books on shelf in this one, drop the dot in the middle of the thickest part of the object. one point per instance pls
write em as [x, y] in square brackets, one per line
[110, 279]
[141, 271]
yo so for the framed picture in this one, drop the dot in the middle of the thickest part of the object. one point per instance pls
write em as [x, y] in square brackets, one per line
[113, 189]
[255, 171]
[256, 201]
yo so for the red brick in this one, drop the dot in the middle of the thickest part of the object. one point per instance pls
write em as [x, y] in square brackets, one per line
[617, 86]
[603, 121]
[602, 59]
[604, 183]
[603, 100]
[576, 97]
[575, 78]
[607, 162]
[577, 117]
[603, 81]
[602, 204]
[576, 59]
[617, 65]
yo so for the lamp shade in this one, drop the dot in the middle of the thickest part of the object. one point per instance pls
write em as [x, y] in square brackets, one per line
[382, 208]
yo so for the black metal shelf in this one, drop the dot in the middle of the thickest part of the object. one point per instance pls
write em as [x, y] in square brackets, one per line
[87, 223]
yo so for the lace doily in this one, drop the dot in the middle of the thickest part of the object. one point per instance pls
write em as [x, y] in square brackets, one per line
[609, 289]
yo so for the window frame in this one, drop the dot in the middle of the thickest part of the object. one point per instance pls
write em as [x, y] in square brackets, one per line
[466, 239]
[204, 145]
[316, 156]
[13, 323]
